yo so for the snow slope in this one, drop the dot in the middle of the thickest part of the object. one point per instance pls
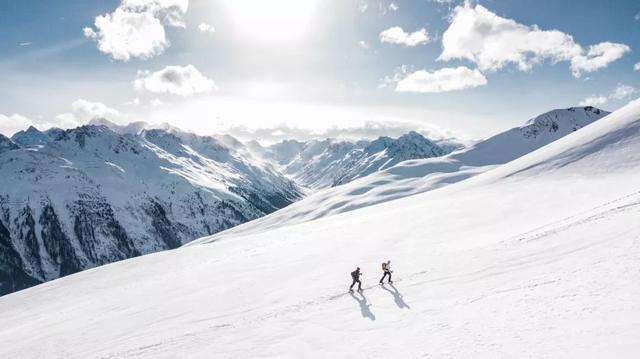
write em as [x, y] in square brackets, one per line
[421, 175]
[537, 258]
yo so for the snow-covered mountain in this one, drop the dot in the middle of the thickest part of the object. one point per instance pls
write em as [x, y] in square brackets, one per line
[536, 258]
[416, 176]
[76, 199]
[328, 163]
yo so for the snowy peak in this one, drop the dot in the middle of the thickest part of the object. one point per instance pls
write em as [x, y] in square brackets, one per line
[564, 120]
[409, 146]
[31, 137]
[6, 144]
[537, 132]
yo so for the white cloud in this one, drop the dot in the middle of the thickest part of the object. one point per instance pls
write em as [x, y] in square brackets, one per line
[176, 80]
[393, 7]
[636, 67]
[443, 80]
[137, 28]
[206, 28]
[170, 12]
[86, 110]
[395, 35]
[594, 101]
[83, 111]
[637, 17]
[67, 120]
[492, 42]
[363, 44]
[9, 125]
[620, 92]
[599, 56]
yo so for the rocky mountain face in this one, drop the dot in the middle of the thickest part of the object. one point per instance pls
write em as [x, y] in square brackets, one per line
[72, 200]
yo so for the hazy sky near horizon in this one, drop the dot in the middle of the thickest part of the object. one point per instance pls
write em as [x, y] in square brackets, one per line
[274, 69]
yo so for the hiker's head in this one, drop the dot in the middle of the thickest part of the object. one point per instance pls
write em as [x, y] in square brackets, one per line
[358, 268]
[388, 262]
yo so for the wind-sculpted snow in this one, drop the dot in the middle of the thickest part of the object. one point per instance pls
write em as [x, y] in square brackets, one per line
[537, 258]
[76, 199]
[421, 175]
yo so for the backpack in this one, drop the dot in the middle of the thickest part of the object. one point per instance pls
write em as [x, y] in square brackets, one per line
[354, 274]
[384, 266]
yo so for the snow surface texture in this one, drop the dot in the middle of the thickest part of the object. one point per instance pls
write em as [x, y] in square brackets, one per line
[417, 176]
[537, 258]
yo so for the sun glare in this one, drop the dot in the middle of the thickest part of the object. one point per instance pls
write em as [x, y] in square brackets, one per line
[272, 20]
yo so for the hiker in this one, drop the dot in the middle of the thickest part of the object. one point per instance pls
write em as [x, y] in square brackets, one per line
[386, 268]
[355, 275]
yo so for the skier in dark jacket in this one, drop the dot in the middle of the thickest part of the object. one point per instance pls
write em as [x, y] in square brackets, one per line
[355, 275]
[386, 268]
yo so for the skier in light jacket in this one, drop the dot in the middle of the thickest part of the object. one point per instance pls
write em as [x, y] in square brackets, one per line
[386, 268]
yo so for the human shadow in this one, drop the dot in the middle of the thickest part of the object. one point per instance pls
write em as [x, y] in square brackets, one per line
[397, 296]
[364, 306]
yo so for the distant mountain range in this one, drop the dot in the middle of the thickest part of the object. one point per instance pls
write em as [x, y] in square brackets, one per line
[328, 163]
[84, 197]
[422, 175]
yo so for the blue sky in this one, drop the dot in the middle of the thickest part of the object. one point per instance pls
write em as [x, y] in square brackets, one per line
[311, 68]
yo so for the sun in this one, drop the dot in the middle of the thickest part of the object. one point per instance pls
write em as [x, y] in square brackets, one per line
[272, 20]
